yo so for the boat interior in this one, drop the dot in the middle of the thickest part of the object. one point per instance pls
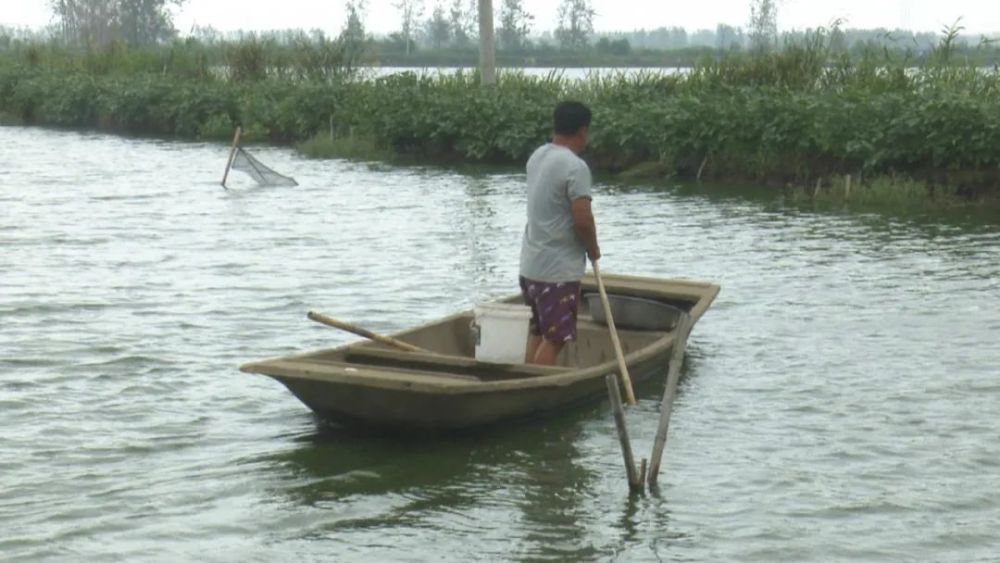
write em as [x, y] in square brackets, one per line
[450, 345]
[452, 352]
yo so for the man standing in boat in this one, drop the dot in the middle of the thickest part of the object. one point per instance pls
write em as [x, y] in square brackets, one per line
[559, 235]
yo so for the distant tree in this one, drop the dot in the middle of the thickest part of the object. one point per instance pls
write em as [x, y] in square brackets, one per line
[353, 36]
[703, 38]
[663, 38]
[576, 23]
[11, 34]
[410, 12]
[545, 39]
[354, 26]
[463, 21]
[206, 34]
[618, 47]
[621, 47]
[438, 28]
[98, 22]
[667, 38]
[838, 39]
[728, 37]
[515, 25]
[763, 24]
[146, 21]
[678, 38]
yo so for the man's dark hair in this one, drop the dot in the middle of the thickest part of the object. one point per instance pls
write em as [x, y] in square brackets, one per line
[570, 117]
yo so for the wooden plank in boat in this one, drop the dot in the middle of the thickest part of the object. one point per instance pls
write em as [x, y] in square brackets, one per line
[393, 369]
[319, 369]
[451, 364]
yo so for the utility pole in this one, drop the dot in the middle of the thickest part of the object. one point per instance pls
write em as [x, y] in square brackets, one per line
[487, 45]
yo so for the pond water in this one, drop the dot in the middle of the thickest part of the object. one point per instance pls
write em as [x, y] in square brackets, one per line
[839, 400]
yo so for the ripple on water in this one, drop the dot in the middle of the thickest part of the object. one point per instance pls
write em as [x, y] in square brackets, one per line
[841, 386]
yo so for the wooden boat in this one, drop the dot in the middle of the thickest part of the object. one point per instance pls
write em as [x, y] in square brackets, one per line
[372, 384]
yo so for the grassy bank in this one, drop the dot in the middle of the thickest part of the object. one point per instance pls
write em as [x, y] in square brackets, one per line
[800, 117]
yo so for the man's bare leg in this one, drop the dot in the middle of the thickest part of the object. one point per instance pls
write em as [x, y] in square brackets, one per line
[534, 341]
[548, 353]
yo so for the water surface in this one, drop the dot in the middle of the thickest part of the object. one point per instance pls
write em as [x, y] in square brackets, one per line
[839, 399]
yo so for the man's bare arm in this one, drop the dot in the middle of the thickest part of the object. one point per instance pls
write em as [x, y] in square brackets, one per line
[586, 228]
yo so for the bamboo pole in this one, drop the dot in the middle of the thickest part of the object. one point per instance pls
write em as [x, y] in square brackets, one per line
[382, 339]
[487, 44]
[666, 407]
[635, 482]
[232, 155]
[622, 366]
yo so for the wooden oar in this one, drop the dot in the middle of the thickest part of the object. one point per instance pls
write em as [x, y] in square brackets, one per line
[622, 367]
[387, 340]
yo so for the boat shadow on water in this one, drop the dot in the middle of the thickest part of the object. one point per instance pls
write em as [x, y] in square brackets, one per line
[340, 460]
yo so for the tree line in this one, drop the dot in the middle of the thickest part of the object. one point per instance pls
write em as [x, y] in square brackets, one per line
[99, 22]
[453, 25]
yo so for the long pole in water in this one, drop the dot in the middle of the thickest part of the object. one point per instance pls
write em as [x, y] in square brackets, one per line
[667, 406]
[635, 479]
[232, 155]
[622, 366]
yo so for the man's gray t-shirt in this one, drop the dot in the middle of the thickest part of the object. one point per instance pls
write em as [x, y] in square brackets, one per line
[551, 251]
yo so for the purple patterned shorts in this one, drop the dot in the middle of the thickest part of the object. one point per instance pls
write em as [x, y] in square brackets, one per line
[553, 308]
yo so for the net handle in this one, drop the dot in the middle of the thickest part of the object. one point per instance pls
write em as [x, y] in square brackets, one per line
[232, 155]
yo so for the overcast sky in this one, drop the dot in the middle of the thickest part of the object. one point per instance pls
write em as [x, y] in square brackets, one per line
[979, 16]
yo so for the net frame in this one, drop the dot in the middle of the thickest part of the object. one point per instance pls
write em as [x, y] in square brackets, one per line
[240, 159]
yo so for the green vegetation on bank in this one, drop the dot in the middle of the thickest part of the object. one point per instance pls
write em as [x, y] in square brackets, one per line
[799, 117]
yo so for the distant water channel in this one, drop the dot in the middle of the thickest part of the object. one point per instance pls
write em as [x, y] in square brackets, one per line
[577, 73]
[840, 399]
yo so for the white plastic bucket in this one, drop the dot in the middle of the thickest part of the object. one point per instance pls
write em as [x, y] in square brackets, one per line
[503, 332]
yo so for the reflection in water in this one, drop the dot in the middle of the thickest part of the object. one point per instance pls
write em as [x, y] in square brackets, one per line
[337, 463]
[555, 486]
[463, 481]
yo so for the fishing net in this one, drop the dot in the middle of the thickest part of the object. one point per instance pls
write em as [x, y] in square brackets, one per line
[245, 162]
